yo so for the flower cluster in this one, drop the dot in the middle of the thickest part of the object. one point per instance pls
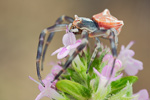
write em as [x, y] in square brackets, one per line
[76, 84]
[50, 88]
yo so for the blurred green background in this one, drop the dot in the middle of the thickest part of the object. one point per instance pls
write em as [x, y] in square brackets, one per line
[21, 22]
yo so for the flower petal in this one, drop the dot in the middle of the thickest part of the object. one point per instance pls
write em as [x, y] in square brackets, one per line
[133, 66]
[122, 47]
[143, 94]
[43, 94]
[57, 51]
[107, 70]
[131, 70]
[55, 69]
[63, 53]
[118, 77]
[49, 89]
[118, 64]
[107, 57]
[69, 39]
[55, 95]
[40, 86]
[138, 64]
[126, 56]
[78, 42]
[126, 53]
[50, 93]
[129, 45]
[35, 80]
[98, 73]
[47, 82]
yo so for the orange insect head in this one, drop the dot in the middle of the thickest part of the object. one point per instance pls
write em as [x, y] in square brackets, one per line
[106, 20]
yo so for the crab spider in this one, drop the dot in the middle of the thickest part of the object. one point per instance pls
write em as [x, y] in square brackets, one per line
[101, 25]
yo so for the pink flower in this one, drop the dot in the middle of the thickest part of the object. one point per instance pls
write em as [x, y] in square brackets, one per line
[126, 56]
[105, 74]
[142, 95]
[49, 89]
[70, 42]
[108, 59]
[55, 69]
[103, 79]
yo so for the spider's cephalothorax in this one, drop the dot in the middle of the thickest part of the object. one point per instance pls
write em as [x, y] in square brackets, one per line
[101, 25]
[83, 23]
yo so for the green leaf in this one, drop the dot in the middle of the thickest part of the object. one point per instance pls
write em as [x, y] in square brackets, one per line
[75, 89]
[121, 95]
[75, 76]
[98, 61]
[118, 85]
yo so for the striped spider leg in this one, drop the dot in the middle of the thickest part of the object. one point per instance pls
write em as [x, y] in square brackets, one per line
[111, 35]
[50, 30]
[94, 53]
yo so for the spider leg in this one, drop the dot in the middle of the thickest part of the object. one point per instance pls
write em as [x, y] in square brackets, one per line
[113, 42]
[50, 37]
[113, 50]
[99, 33]
[111, 35]
[78, 49]
[94, 53]
[54, 28]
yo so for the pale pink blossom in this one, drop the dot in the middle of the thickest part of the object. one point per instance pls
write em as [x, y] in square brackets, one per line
[70, 43]
[105, 75]
[142, 95]
[131, 65]
[49, 89]
[55, 69]
[108, 59]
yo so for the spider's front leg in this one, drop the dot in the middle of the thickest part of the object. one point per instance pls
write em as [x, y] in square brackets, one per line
[76, 52]
[59, 27]
[50, 30]
[50, 37]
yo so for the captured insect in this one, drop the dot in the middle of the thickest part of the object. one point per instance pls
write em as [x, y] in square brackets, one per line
[100, 25]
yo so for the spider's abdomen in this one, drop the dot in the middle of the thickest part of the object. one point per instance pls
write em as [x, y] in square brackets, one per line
[106, 20]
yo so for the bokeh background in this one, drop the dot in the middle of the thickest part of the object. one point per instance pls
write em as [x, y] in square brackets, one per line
[21, 22]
